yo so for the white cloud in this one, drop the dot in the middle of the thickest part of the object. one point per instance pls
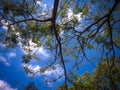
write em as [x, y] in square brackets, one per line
[50, 72]
[78, 16]
[39, 3]
[5, 23]
[61, 33]
[4, 27]
[5, 86]
[2, 45]
[33, 47]
[33, 69]
[55, 72]
[3, 60]
[11, 54]
[43, 52]
[40, 51]
[70, 15]
[42, 13]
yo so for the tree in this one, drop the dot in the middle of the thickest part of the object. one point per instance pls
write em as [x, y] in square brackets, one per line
[103, 78]
[107, 77]
[90, 24]
[30, 86]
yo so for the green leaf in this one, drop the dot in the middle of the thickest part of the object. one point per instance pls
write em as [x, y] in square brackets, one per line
[93, 1]
[85, 11]
[27, 58]
[90, 46]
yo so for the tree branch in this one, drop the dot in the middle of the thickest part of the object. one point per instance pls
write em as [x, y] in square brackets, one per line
[54, 15]
[30, 19]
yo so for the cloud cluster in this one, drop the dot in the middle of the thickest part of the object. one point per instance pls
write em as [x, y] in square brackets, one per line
[33, 47]
[5, 86]
[57, 71]
[3, 60]
[50, 72]
[70, 16]
[11, 54]
[39, 3]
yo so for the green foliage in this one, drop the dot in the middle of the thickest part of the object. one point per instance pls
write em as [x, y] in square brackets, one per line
[26, 58]
[45, 28]
[7, 5]
[85, 11]
[62, 87]
[31, 25]
[90, 46]
[93, 1]
[104, 77]
[30, 86]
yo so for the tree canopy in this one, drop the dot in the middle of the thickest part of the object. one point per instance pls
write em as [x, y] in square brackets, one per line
[103, 78]
[71, 31]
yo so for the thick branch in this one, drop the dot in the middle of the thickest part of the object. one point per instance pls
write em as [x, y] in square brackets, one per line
[30, 19]
[55, 8]
[54, 15]
[110, 28]
[106, 15]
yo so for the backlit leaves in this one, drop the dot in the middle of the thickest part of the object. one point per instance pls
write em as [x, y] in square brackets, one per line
[85, 11]
[26, 58]
[80, 25]
[100, 79]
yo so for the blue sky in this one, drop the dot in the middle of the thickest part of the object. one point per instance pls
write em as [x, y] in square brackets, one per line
[11, 70]
[12, 74]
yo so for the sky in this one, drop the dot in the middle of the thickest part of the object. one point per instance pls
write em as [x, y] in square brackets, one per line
[12, 74]
[11, 71]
